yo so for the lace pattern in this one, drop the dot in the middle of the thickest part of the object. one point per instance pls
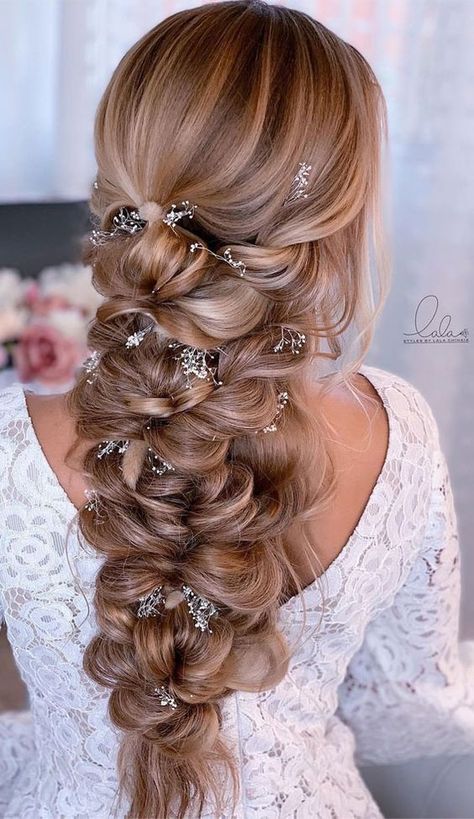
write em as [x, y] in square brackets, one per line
[383, 654]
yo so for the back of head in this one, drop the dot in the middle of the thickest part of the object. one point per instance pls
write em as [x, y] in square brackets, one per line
[262, 130]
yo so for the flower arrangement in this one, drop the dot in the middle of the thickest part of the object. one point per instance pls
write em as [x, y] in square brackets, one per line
[43, 323]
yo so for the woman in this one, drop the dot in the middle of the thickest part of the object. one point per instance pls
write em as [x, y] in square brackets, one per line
[220, 568]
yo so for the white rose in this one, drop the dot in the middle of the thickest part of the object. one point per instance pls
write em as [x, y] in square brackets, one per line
[12, 323]
[69, 323]
[74, 283]
[11, 288]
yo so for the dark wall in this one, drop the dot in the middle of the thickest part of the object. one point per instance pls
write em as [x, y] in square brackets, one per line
[34, 236]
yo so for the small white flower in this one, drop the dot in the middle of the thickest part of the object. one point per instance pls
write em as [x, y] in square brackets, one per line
[73, 282]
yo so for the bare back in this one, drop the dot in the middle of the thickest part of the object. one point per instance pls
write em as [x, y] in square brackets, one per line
[358, 448]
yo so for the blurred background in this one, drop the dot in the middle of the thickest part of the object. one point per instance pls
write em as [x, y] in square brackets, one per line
[56, 57]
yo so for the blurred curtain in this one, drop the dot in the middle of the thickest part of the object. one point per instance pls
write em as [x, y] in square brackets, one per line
[56, 57]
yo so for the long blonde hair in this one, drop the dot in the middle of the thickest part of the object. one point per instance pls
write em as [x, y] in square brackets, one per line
[217, 105]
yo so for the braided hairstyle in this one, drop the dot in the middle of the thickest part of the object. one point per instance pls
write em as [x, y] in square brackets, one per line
[216, 106]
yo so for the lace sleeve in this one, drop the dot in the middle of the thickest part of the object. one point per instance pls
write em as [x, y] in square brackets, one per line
[409, 690]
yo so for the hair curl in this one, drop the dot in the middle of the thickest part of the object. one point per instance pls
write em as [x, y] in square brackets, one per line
[216, 105]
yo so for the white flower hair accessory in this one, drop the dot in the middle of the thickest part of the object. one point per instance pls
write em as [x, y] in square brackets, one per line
[130, 220]
[200, 608]
[107, 447]
[90, 366]
[165, 697]
[292, 339]
[174, 216]
[193, 361]
[299, 183]
[157, 464]
[126, 221]
[135, 339]
[150, 603]
[226, 257]
[92, 501]
[282, 400]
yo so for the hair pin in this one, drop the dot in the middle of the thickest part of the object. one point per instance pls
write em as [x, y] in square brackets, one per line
[193, 361]
[92, 504]
[299, 183]
[173, 216]
[112, 446]
[200, 608]
[165, 697]
[90, 365]
[283, 399]
[292, 339]
[158, 465]
[150, 603]
[136, 338]
[227, 257]
[126, 221]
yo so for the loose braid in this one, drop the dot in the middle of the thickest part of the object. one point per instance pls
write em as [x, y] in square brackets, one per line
[216, 520]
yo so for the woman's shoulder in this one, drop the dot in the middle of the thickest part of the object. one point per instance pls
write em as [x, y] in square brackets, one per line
[12, 405]
[381, 436]
[10, 396]
[355, 409]
[407, 404]
[13, 436]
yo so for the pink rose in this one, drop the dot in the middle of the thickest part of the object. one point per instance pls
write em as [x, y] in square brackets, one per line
[40, 304]
[46, 304]
[43, 353]
[31, 293]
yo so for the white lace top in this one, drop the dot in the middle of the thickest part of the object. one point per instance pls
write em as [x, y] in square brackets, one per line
[380, 678]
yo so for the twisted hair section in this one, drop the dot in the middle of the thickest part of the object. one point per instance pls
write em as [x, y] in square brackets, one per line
[216, 126]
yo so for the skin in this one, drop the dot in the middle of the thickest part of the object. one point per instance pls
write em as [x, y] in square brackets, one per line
[358, 448]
